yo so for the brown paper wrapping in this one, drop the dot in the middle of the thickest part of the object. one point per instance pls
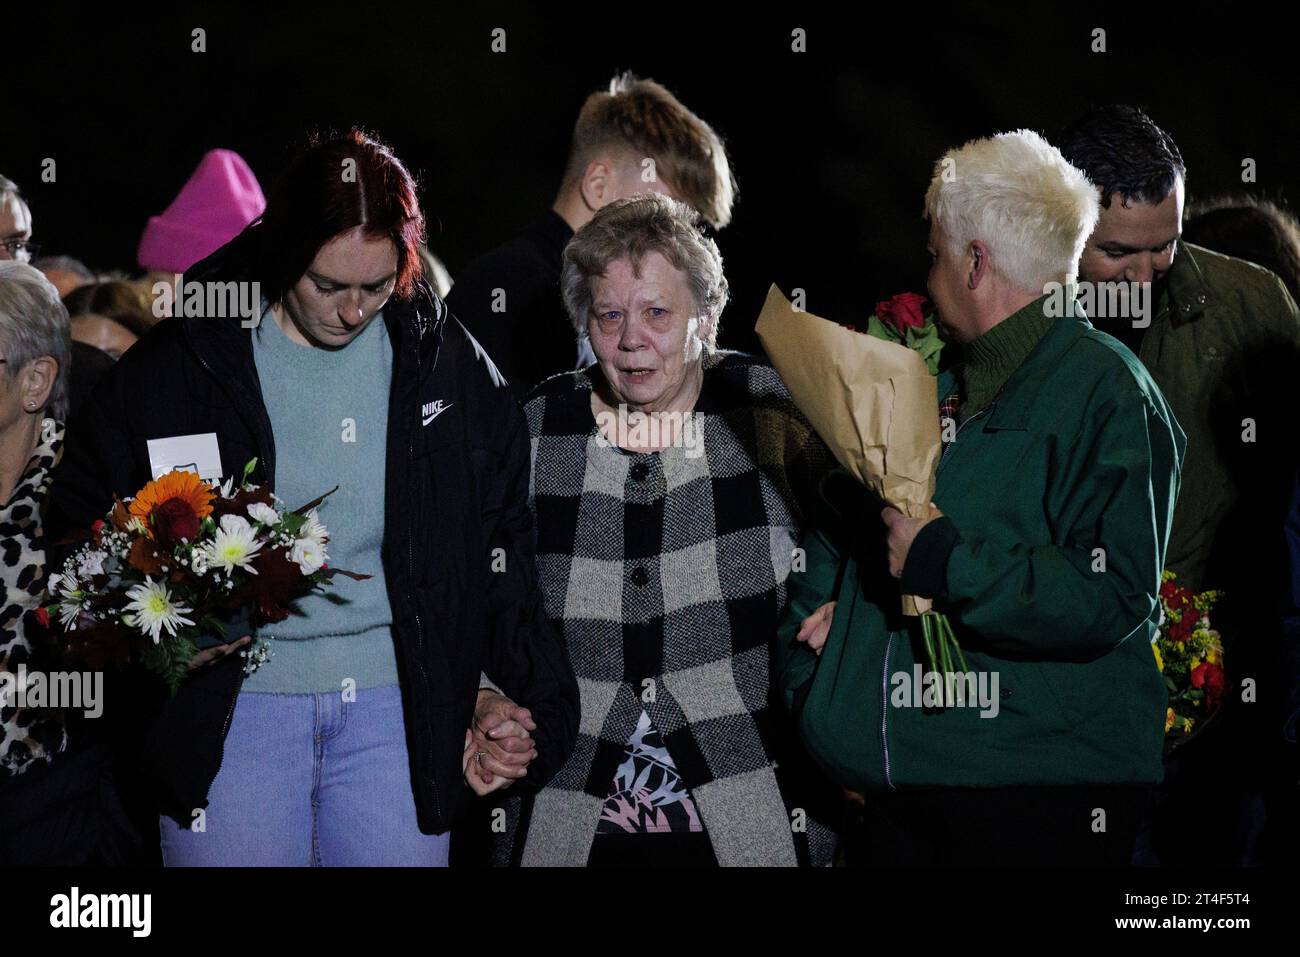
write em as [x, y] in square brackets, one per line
[874, 403]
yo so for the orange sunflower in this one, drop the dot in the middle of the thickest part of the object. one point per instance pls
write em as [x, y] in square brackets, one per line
[174, 495]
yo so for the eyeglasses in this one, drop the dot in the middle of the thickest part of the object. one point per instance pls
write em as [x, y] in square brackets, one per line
[23, 250]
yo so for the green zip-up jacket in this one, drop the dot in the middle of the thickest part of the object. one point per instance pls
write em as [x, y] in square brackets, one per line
[1057, 502]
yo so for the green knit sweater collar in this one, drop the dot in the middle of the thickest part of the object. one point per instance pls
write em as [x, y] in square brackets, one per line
[994, 356]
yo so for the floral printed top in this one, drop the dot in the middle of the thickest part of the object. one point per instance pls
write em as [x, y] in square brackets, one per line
[647, 795]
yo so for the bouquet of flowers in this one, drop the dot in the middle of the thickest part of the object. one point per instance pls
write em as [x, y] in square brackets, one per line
[873, 400]
[1190, 655]
[172, 564]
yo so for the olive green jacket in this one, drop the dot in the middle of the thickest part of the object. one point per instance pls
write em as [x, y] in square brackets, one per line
[1222, 333]
[1057, 502]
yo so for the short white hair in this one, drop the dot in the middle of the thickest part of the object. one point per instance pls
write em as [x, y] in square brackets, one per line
[34, 323]
[1020, 197]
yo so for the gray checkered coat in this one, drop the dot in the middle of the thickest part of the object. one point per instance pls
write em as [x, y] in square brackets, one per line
[666, 574]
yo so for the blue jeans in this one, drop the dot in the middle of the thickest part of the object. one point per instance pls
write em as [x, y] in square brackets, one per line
[310, 780]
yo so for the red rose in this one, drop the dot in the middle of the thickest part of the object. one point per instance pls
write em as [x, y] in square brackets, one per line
[43, 617]
[1209, 677]
[1169, 592]
[904, 311]
[173, 520]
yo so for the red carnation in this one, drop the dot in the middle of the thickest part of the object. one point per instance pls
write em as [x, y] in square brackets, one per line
[904, 311]
[175, 519]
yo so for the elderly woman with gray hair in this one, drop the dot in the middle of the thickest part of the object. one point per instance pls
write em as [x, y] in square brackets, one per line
[57, 804]
[667, 482]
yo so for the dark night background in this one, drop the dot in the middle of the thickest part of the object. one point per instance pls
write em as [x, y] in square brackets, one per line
[833, 148]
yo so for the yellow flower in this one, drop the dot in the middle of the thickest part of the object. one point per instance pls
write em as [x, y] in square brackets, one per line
[1169, 720]
[1160, 662]
[1195, 663]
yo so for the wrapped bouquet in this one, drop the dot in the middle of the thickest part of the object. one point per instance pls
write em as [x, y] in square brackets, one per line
[873, 399]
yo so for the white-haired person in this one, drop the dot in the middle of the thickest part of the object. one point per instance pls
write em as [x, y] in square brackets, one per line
[668, 483]
[1044, 549]
[57, 801]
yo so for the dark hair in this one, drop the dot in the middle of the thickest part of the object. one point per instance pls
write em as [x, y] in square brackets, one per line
[1124, 153]
[1256, 230]
[332, 187]
[126, 303]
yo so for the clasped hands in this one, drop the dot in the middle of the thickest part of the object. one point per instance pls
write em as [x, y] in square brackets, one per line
[498, 745]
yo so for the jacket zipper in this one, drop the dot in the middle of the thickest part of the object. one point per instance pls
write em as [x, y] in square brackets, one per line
[948, 445]
[884, 710]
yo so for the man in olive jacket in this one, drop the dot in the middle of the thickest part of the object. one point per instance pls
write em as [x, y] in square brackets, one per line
[1053, 504]
[1221, 338]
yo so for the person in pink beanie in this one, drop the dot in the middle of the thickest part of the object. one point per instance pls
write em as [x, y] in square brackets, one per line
[212, 208]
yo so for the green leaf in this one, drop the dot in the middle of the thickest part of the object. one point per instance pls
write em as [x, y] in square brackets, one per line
[926, 342]
[880, 330]
[170, 659]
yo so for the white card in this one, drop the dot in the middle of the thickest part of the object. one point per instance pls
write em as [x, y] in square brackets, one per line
[187, 453]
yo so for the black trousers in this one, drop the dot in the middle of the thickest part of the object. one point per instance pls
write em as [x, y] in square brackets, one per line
[1003, 827]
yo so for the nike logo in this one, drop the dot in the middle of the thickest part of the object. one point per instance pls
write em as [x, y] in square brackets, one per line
[431, 410]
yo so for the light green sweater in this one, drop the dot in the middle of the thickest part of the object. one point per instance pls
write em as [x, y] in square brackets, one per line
[329, 417]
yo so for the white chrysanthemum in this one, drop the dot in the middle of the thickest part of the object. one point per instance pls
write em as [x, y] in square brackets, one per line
[152, 609]
[308, 555]
[234, 545]
[227, 488]
[313, 530]
[261, 512]
[68, 590]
